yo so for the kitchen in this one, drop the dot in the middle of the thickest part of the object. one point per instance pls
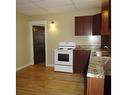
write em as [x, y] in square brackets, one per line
[64, 31]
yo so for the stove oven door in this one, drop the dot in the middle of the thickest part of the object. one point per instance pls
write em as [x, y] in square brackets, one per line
[64, 57]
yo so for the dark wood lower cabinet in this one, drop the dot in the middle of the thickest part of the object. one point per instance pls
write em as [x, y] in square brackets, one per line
[80, 61]
[95, 86]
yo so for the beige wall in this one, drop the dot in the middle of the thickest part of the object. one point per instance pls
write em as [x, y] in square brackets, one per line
[22, 50]
[64, 31]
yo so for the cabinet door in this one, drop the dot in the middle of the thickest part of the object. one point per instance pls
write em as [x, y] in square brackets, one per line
[106, 17]
[96, 24]
[95, 86]
[105, 23]
[83, 25]
[80, 59]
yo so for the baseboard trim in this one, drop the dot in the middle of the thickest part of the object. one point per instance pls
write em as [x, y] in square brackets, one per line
[21, 67]
[49, 65]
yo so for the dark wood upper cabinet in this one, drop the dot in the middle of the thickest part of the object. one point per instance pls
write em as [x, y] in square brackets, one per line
[88, 25]
[106, 17]
[96, 28]
[83, 25]
[99, 24]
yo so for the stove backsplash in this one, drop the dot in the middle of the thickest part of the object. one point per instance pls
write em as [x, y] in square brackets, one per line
[89, 40]
[95, 41]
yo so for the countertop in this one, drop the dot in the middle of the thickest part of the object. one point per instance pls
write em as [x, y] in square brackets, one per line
[99, 66]
[107, 68]
[90, 47]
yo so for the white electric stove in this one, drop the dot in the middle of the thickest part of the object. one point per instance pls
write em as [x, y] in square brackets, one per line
[63, 60]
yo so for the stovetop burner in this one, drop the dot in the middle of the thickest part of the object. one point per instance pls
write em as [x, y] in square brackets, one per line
[60, 48]
[65, 48]
[69, 48]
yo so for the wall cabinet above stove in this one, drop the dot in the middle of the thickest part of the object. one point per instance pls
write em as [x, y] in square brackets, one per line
[88, 25]
[83, 25]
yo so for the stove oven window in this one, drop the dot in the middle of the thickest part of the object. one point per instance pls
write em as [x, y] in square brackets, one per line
[63, 57]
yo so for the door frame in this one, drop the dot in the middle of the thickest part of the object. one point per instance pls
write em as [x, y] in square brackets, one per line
[31, 24]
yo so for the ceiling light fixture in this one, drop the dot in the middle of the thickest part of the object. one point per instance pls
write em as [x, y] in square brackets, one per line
[52, 22]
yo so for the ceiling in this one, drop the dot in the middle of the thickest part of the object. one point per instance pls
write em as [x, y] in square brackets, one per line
[42, 7]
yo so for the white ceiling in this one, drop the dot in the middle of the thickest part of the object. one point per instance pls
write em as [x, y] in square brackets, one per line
[41, 7]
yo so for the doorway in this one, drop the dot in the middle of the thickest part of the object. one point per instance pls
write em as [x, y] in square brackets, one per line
[39, 44]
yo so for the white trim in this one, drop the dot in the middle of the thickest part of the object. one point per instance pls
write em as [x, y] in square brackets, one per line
[21, 67]
[41, 23]
[50, 65]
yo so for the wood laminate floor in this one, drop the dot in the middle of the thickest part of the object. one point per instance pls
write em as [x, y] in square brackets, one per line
[40, 80]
